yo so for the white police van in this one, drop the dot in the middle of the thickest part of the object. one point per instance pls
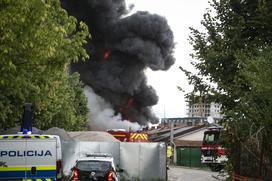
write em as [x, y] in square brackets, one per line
[30, 157]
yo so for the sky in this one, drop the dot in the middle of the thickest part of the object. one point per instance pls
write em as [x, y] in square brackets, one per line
[180, 16]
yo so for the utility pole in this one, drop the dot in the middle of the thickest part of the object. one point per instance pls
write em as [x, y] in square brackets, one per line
[171, 132]
[173, 145]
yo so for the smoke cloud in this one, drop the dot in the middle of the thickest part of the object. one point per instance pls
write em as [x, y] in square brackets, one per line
[101, 115]
[122, 47]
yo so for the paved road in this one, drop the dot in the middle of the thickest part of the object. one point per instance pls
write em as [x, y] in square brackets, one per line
[188, 174]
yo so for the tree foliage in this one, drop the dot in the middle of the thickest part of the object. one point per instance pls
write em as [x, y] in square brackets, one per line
[234, 55]
[38, 41]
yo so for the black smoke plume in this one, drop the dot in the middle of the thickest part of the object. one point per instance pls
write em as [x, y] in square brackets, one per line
[122, 47]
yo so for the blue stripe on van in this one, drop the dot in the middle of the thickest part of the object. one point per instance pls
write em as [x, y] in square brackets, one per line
[21, 174]
[31, 179]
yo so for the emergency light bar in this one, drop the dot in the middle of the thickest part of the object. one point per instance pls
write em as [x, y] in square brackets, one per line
[98, 155]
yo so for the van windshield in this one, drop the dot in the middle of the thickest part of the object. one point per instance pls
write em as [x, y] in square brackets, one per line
[93, 165]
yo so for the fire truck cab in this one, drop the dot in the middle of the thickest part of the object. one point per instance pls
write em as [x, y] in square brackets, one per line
[212, 152]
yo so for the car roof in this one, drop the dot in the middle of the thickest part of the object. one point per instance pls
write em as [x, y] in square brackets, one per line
[109, 159]
[96, 157]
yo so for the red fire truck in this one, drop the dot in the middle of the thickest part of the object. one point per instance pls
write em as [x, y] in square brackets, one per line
[128, 136]
[212, 153]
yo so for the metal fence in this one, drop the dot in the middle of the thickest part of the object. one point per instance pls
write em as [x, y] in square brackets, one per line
[140, 161]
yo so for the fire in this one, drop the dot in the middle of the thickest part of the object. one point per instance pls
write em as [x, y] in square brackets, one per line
[125, 109]
[129, 102]
[106, 55]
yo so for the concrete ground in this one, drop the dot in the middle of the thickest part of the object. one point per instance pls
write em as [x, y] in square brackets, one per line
[176, 173]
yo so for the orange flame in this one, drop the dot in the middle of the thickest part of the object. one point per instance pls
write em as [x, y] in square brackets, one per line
[106, 55]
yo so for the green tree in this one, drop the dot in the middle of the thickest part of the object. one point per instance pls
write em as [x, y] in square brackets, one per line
[228, 54]
[38, 42]
[257, 108]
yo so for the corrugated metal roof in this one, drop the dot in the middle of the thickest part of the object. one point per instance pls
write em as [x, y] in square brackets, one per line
[177, 132]
[196, 135]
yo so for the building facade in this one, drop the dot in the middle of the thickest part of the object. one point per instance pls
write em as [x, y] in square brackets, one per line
[204, 110]
[186, 121]
[199, 111]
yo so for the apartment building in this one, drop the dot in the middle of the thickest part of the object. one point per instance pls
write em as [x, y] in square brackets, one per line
[204, 110]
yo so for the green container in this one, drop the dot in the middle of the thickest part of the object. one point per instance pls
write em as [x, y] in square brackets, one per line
[189, 157]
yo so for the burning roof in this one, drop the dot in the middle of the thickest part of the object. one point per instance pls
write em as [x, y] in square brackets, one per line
[122, 47]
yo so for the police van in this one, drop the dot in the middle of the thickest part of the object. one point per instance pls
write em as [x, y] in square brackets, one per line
[30, 157]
